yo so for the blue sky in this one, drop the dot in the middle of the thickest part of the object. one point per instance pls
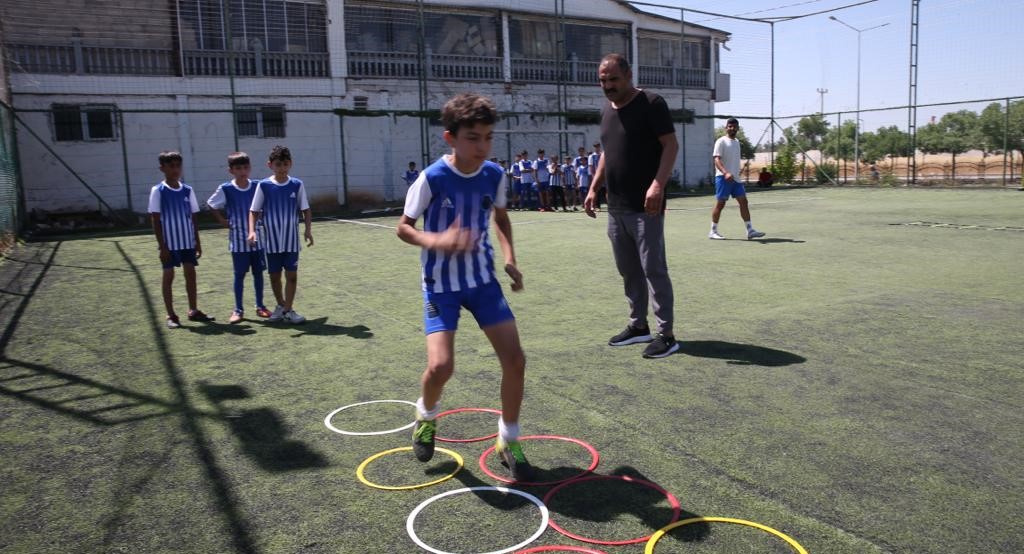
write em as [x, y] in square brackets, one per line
[969, 49]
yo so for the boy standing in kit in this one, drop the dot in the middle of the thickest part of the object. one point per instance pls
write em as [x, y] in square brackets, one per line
[457, 196]
[172, 209]
[277, 201]
[235, 198]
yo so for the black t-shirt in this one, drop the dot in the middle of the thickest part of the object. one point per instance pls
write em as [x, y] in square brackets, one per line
[632, 151]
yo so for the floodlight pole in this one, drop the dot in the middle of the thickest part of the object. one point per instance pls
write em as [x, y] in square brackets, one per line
[856, 132]
[822, 92]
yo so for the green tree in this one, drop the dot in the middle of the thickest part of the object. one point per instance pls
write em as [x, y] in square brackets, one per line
[886, 141]
[992, 126]
[812, 129]
[955, 133]
[838, 142]
[785, 167]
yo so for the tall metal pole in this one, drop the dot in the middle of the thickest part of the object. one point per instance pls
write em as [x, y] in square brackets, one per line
[771, 156]
[422, 78]
[856, 123]
[1006, 133]
[682, 86]
[822, 92]
[225, 12]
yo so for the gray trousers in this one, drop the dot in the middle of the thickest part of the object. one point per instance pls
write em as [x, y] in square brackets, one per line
[638, 244]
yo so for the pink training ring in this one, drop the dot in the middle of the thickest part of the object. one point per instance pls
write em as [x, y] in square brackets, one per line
[560, 549]
[595, 459]
[676, 508]
[460, 410]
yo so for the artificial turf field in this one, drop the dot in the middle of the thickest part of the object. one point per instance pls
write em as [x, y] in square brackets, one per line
[853, 380]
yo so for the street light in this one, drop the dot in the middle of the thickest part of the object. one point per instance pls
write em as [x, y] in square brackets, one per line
[856, 134]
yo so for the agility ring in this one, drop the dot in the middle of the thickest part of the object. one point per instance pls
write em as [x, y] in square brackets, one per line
[661, 532]
[595, 459]
[366, 462]
[676, 508]
[560, 548]
[460, 410]
[327, 420]
[410, 523]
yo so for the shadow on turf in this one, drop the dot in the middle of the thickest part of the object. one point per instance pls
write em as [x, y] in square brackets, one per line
[319, 327]
[215, 328]
[739, 354]
[261, 431]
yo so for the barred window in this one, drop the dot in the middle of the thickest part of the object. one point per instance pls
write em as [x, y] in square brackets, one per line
[588, 41]
[273, 25]
[260, 120]
[665, 52]
[73, 122]
[373, 29]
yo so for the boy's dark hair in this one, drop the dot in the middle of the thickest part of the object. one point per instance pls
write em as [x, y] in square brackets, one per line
[280, 153]
[412, 163]
[238, 158]
[466, 110]
[169, 156]
[732, 120]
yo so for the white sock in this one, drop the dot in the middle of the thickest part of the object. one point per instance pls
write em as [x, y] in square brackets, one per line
[749, 226]
[508, 431]
[423, 413]
[714, 227]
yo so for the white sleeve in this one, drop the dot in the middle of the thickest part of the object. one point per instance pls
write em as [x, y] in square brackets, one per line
[217, 200]
[303, 200]
[418, 197]
[192, 200]
[257, 200]
[719, 150]
[502, 200]
[154, 200]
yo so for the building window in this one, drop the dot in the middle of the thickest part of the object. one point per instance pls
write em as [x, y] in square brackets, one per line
[587, 41]
[271, 25]
[83, 122]
[261, 121]
[374, 29]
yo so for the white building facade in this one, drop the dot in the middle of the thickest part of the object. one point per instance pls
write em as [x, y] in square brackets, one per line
[339, 83]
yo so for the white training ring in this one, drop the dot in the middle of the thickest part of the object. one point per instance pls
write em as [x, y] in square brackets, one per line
[327, 420]
[540, 531]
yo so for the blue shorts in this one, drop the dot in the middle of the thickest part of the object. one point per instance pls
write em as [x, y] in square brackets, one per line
[487, 304]
[724, 189]
[178, 257]
[244, 261]
[518, 188]
[289, 261]
[542, 186]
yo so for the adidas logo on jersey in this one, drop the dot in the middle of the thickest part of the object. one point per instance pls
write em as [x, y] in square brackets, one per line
[292, 195]
[446, 203]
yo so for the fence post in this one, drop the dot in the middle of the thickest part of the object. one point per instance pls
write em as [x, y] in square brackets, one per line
[1006, 134]
[124, 157]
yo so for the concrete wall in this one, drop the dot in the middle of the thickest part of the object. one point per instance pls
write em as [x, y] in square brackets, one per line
[124, 23]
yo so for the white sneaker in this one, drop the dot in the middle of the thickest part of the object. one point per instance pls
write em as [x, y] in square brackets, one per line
[754, 234]
[713, 235]
[291, 316]
[278, 314]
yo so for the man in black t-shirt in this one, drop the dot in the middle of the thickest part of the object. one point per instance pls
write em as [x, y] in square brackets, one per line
[640, 149]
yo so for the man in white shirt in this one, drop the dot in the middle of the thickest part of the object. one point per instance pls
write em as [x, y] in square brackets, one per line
[727, 168]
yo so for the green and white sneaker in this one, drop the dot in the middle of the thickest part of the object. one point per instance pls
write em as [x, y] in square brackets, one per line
[423, 439]
[512, 456]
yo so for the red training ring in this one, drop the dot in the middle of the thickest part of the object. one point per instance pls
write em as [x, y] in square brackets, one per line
[460, 410]
[595, 458]
[559, 549]
[671, 500]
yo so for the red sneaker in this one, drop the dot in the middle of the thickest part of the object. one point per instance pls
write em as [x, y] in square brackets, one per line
[262, 312]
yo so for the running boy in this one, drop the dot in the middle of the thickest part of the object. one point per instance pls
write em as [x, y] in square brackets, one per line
[235, 198]
[277, 201]
[172, 209]
[457, 196]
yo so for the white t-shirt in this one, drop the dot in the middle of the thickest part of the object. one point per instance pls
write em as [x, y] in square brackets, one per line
[729, 150]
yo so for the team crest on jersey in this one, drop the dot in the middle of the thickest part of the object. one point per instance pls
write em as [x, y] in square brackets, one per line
[446, 203]
[487, 202]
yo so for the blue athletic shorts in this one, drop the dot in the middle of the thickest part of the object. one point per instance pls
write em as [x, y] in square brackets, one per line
[244, 261]
[518, 187]
[289, 261]
[178, 257]
[487, 304]
[724, 189]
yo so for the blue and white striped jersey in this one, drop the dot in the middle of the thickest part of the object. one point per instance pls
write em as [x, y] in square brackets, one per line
[440, 194]
[541, 165]
[593, 160]
[555, 179]
[280, 204]
[236, 202]
[175, 206]
[569, 174]
[526, 175]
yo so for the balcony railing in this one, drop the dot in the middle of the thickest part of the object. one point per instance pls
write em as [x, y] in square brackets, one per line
[549, 71]
[658, 76]
[256, 63]
[406, 65]
[91, 60]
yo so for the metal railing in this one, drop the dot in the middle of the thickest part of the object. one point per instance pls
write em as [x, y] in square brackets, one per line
[573, 71]
[91, 60]
[660, 76]
[256, 63]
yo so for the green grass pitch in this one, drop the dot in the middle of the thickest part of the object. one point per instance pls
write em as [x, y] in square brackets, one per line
[854, 381]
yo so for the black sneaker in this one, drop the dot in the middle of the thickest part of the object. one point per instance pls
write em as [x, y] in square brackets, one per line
[630, 335]
[661, 346]
[423, 439]
[512, 457]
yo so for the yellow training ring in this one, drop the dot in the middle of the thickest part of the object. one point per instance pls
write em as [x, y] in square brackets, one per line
[366, 462]
[661, 532]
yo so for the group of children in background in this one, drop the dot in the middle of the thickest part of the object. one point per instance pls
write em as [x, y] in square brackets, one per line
[262, 218]
[543, 184]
